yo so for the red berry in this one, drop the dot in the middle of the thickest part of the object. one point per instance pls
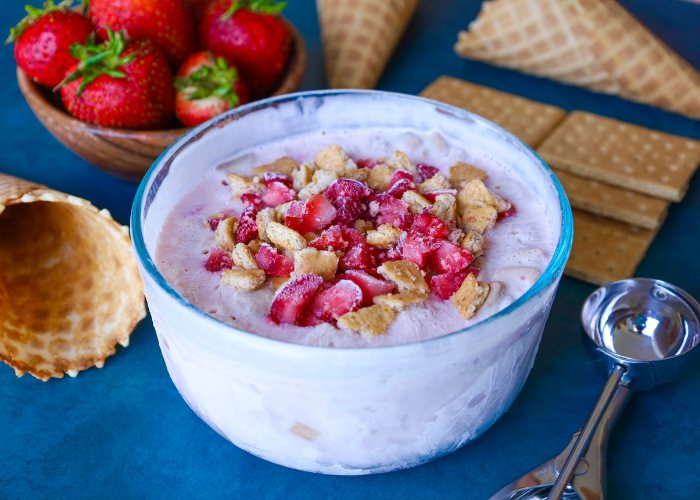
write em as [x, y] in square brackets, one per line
[427, 224]
[308, 319]
[352, 236]
[384, 204]
[417, 247]
[367, 163]
[348, 209]
[273, 263]
[278, 194]
[247, 226]
[432, 194]
[402, 221]
[319, 214]
[341, 298]
[426, 171]
[360, 256]
[218, 260]
[445, 285]
[293, 297]
[252, 200]
[398, 189]
[449, 258]
[400, 175]
[331, 239]
[348, 188]
[270, 177]
[370, 286]
[391, 255]
[508, 213]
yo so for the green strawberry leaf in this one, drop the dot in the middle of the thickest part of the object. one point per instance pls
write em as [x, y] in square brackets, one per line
[218, 79]
[259, 6]
[35, 14]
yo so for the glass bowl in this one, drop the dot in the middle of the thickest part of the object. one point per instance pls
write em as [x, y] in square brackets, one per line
[332, 410]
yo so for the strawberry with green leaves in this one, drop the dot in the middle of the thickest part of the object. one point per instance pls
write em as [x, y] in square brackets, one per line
[167, 22]
[207, 85]
[43, 38]
[119, 84]
[249, 32]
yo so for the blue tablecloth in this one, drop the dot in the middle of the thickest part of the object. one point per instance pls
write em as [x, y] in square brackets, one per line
[124, 431]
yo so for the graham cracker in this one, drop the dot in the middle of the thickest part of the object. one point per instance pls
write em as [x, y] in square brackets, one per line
[623, 155]
[529, 120]
[609, 201]
[605, 250]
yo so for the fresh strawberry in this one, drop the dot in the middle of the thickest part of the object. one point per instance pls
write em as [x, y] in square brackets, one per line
[247, 226]
[348, 209]
[343, 297]
[445, 285]
[508, 213]
[207, 85]
[370, 286]
[391, 255]
[426, 223]
[433, 194]
[402, 221]
[249, 33]
[399, 188]
[426, 171]
[196, 8]
[119, 85]
[278, 194]
[252, 200]
[367, 163]
[348, 188]
[400, 175]
[362, 256]
[352, 236]
[330, 239]
[272, 262]
[308, 319]
[417, 247]
[384, 204]
[294, 219]
[319, 213]
[449, 258]
[293, 297]
[167, 22]
[218, 260]
[43, 39]
[270, 177]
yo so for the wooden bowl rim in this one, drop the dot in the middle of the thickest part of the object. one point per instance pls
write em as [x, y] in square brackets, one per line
[297, 64]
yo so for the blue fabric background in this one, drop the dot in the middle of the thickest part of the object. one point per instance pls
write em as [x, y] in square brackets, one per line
[124, 431]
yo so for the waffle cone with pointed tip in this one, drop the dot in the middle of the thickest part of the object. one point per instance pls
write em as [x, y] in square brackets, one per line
[70, 290]
[595, 44]
[359, 37]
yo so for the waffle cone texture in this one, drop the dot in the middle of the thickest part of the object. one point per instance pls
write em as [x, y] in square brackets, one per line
[595, 44]
[70, 290]
[359, 37]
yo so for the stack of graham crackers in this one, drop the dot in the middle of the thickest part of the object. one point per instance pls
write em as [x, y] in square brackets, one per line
[620, 178]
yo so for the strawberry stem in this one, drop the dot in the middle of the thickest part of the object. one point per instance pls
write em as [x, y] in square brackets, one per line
[218, 79]
[260, 6]
[35, 13]
[97, 60]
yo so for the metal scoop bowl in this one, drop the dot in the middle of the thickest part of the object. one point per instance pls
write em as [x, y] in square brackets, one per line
[642, 333]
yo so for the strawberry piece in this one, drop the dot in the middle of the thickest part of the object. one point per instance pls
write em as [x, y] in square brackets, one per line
[278, 194]
[270, 177]
[417, 247]
[352, 237]
[308, 319]
[273, 263]
[341, 298]
[445, 285]
[247, 226]
[433, 194]
[398, 189]
[370, 286]
[330, 239]
[386, 204]
[252, 200]
[296, 212]
[348, 188]
[214, 223]
[402, 221]
[391, 255]
[360, 256]
[218, 260]
[319, 214]
[427, 224]
[348, 209]
[367, 163]
[426, 171]
[449, 258]
[508, 213]
[400, 175]
[293, 297]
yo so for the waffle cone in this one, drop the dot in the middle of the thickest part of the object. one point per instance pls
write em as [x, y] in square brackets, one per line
[70, 289]
[359, 36]
[595, 44]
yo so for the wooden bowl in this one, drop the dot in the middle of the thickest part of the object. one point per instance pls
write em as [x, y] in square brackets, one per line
[124, 153]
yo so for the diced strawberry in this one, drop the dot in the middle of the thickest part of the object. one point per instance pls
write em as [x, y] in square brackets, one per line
[319, 214]
[330, 239]
[368, 163]
[274, 263]
[385, 204]
[293, 297]
[398, 189]
[391, 255]
[214, 223]
[294, 219]
[426, 223]
[270, 177]
[426, 171]
[348, 188]
[449, 258]
[309, 319]
[508, 213]
[402, 221]
[417, 247]
[432, 194]
[400, 175]
[341, 298]
[278, 194]
[360, 256]
[348, 209]
[473, 270]
[247, 227]
[370, 286]
[353, 236]
[218, 260]
[445, 285]
[252, 200]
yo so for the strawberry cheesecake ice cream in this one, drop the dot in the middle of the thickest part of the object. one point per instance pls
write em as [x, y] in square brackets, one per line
[356, 239]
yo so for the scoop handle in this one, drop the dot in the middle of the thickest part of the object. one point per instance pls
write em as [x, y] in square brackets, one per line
[589, 428]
